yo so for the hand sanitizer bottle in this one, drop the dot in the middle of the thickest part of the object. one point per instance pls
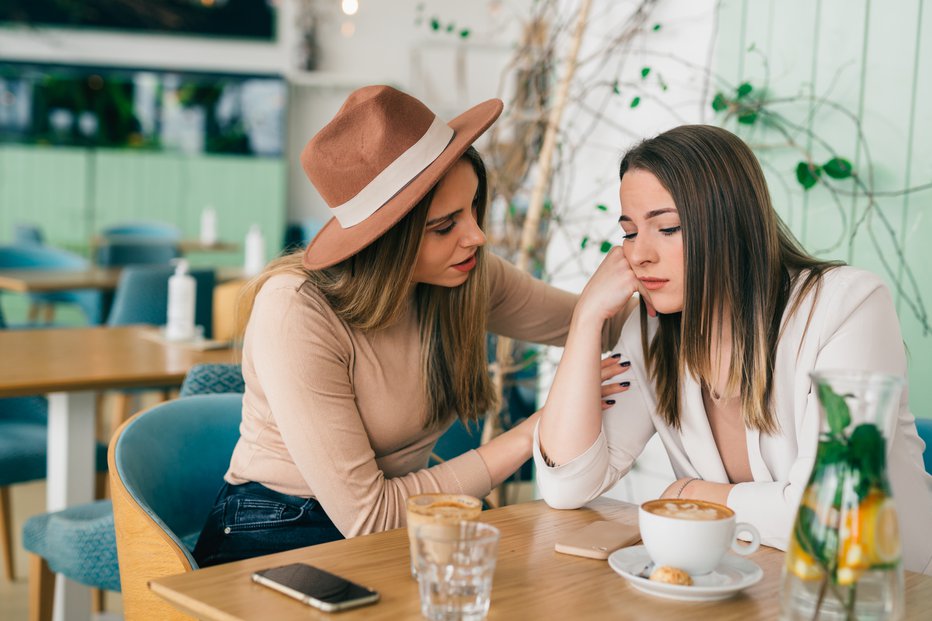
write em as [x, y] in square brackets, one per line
[209, 226]
[255, 251]
[181, 299]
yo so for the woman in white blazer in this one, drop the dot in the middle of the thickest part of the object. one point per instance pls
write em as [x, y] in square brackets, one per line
[733, 316]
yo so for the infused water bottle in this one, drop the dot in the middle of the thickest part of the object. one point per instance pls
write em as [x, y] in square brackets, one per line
[844, 554]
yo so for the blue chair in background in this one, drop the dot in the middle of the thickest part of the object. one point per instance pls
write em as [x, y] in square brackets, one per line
[23, 458]
[80, 541]
[142, 230]
[168, 465]
[36, 257]
[142, 297]
[122, 251]
[28, 235]
[205, 379]
[924, 427]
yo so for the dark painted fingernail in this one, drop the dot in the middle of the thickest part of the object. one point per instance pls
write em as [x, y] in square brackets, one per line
[616, 355]
[610, 401]
[624, 384]
[626, 363]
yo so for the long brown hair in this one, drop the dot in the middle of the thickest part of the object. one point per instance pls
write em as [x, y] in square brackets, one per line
[739, 256]
[372, 290]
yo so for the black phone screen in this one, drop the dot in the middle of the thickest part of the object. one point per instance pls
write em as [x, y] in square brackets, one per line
[317, 583]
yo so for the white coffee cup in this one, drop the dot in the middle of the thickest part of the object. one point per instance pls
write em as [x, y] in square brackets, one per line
[692, 535]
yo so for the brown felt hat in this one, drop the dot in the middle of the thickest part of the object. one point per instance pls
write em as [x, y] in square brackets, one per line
[379, 156]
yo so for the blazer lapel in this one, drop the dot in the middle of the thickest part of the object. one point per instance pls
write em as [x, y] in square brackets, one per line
[696, 434]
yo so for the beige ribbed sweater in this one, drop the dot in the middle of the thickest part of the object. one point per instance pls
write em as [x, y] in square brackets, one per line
[337, 413]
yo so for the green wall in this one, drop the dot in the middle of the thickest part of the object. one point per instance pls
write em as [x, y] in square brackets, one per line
[71, 193]
[874, 59]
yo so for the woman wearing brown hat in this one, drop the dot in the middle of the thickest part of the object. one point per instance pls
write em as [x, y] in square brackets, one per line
[360, 352]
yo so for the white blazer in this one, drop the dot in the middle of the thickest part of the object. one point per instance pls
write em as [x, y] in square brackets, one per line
[853, 326]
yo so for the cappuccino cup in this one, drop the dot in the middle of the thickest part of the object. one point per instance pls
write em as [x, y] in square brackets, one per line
[441, 510]
[692, 535]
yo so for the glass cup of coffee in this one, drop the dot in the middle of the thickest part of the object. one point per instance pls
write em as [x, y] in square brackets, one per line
[692, 535]
[442, 509]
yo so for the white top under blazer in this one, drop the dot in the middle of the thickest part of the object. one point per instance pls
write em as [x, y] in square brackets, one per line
[853, 326]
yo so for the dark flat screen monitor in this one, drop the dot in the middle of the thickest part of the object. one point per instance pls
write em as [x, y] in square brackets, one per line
[245, 19]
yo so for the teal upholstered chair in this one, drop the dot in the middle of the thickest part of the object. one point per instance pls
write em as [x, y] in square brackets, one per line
[205, 379]
[167, 467]
[142, 297]
[142, 230]
[80, 541]
[37, 257]
[120, 251]
[23, 458]
[924, 427]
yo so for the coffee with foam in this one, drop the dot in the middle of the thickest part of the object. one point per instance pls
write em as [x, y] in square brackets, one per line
[686, 509]
[440, 509]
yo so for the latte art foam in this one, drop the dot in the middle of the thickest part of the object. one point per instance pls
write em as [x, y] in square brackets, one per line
[688, 510]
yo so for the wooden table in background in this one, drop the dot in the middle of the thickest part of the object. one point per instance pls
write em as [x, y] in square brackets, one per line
[70, 365]
[531, 580]
[101, 278]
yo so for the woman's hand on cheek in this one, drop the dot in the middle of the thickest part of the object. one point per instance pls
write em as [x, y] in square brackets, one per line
[610, 287]
[612, 367]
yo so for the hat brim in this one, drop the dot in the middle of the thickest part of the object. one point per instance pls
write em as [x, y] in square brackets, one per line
[334, 244]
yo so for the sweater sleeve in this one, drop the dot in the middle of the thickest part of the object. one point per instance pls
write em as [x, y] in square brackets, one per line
[860, 332]
[527, 309]
[303, 359]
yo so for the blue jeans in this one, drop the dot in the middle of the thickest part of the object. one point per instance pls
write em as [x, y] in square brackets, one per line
[251, 520]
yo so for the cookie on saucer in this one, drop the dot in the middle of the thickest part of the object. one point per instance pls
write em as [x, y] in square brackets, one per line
[671, 575]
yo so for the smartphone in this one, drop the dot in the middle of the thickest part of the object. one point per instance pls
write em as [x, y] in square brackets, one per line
[316, 587]
[598, 540]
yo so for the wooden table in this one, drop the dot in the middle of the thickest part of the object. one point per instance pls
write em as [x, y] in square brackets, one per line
[531, 580]
[69, 365]
[102, 278]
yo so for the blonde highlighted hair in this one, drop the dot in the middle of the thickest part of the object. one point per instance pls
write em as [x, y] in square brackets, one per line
[373, 288]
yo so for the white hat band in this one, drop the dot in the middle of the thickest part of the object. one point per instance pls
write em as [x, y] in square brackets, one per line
[396, 175]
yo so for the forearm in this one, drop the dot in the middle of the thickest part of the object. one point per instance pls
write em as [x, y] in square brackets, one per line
[572, 417]
[699, 490]
[506, 452]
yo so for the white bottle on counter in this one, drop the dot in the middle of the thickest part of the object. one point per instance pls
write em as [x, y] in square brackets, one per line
[182, 289]
[209, 226]
[255, 251]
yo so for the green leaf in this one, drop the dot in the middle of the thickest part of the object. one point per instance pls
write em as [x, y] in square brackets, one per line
[748, 118]
[635, 102]
[744, 90]
[450, 27]
[868, 457]
[836, 410]
[584, 242]
[807, 174]
[663, 84]
[719, 103]
[601, 207]
[464, 33]
[656, 27]
[615, 88]
[815, 538]
[645, 72]
[434, 23]
[838, 168]
[605, 247]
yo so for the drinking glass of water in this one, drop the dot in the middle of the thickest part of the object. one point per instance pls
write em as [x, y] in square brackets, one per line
[455, 564]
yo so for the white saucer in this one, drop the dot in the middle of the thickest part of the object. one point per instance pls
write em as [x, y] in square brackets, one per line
[733, 574]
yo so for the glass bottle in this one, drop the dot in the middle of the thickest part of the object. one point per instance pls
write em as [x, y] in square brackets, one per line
[844, 554]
